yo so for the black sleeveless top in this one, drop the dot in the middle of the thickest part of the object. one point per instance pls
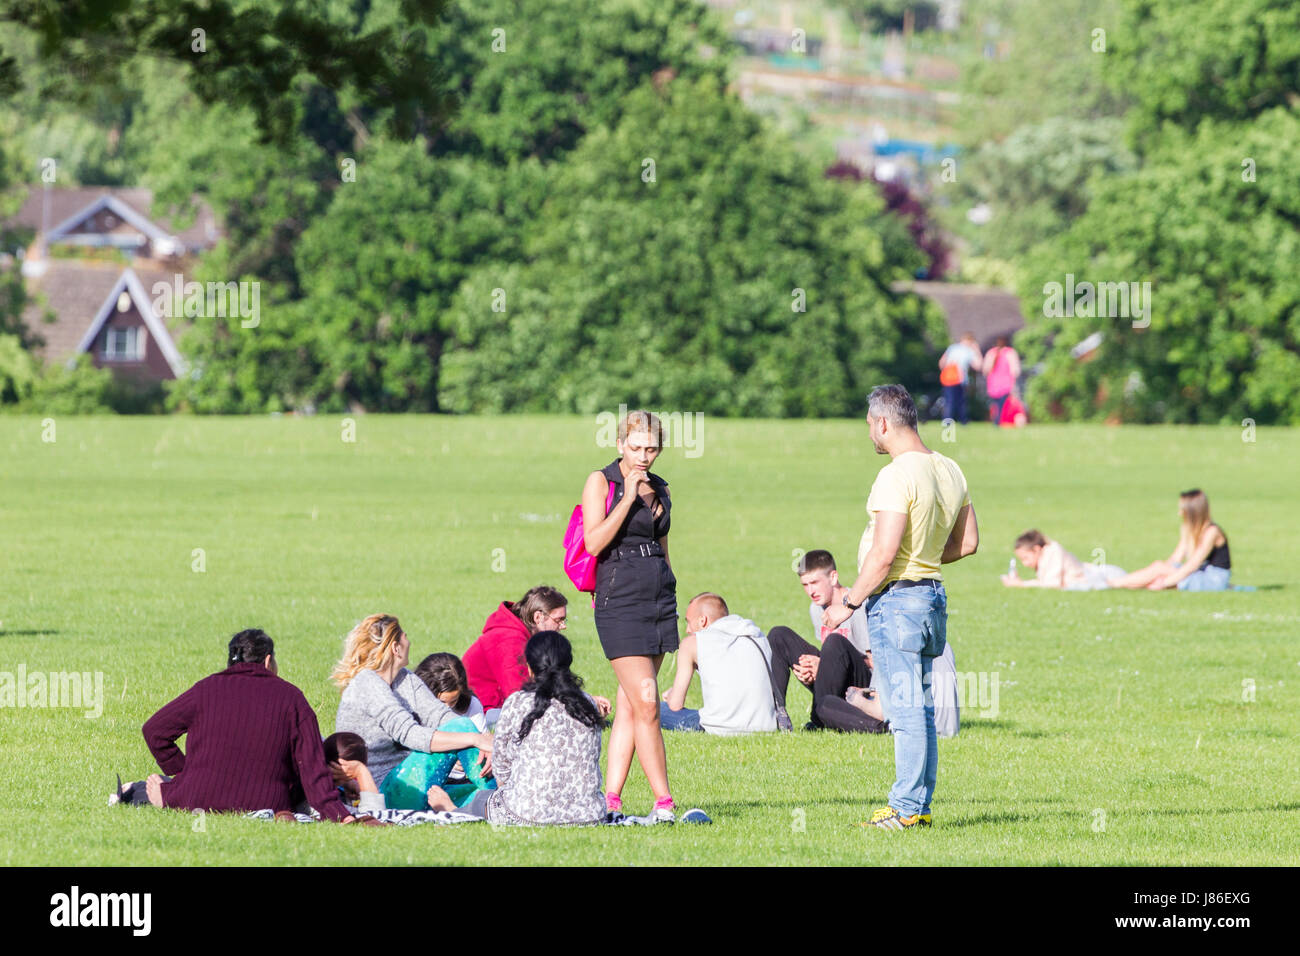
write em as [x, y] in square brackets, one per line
[1220, 557]
[640, 526]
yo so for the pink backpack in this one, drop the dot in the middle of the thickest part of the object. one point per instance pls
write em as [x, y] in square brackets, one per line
[578, 564]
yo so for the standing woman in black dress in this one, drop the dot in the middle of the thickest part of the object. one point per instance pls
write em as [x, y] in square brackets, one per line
[636, 601]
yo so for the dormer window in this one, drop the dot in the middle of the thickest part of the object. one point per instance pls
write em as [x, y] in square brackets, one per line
[124, 345]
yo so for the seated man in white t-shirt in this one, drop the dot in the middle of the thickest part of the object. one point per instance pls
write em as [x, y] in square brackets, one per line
[735, 665]
[1057, 568]
[841, 673]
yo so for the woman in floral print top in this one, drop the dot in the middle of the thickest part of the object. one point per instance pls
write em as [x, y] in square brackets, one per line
[547, 756]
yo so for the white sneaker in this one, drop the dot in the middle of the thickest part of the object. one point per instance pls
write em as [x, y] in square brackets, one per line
[662, 815]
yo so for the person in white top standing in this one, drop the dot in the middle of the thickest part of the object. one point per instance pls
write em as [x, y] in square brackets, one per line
[920, 517]
[735, 665]
[955, 365]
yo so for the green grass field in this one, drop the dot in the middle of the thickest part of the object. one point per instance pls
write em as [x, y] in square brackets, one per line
[1130, 728]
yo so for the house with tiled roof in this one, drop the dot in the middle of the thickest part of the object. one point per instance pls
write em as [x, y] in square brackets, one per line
[987, 312]
[105, 310]
[93, 259]
[110, 217]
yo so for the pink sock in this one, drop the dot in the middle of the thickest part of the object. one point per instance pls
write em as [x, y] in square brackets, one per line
[665, 803]
[613, 801]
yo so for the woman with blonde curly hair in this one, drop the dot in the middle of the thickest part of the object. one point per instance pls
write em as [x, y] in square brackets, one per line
[413, 738]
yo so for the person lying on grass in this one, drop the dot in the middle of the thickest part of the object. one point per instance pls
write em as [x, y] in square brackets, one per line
[547, 756]
[251, 742]
[413, 739]
[1057, 568]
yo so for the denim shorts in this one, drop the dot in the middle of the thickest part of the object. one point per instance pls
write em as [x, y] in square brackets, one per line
[1208, 578]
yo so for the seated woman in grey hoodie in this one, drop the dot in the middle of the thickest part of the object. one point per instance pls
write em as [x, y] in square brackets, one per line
[412, 738]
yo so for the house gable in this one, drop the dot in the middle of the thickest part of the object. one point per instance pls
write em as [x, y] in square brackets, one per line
[135, 310]
[110, 222]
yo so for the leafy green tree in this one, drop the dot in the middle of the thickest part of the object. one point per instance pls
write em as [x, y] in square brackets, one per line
[875, 16]
[1186, 61]
[1210, 220]
[18, 370]
[533, 76]
[1031, 60]
[80, 390]
[337, 334]
[675, 287]
[382, 266]
[1040, 120]
[1037, 180]
[247, 52]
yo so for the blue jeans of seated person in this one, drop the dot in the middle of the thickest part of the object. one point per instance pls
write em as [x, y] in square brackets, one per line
[407, 785]
[909, 629]
[684, 719]
[1208, 578]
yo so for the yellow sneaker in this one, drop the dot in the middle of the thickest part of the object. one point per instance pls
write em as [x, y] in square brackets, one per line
[887, 818]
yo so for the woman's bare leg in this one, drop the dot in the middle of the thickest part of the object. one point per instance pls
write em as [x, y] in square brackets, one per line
[622, 741]
[1144, 576]
[638, 692]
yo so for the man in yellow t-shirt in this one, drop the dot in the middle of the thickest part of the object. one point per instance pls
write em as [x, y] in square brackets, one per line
[920, 518]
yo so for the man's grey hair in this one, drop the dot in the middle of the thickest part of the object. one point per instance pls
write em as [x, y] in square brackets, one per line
[893, 404]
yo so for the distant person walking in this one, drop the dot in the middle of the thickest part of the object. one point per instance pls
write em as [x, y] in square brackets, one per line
[635, 601]
[1001, 369]
[920, 517]
[955, 366]
[1200, 562]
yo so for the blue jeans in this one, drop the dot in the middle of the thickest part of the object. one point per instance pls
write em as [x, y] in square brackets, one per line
[909, 629]
[954, 402]
[1208, 578]
[996, 405]
[684, 719]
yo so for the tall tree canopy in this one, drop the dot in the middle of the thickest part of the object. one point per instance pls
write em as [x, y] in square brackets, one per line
[1210, 218]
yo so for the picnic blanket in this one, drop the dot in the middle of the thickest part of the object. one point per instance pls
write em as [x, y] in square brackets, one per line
[401, 818]
[443, 818]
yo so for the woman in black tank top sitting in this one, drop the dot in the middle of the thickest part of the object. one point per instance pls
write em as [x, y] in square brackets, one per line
[635, 601]
[1200, 562]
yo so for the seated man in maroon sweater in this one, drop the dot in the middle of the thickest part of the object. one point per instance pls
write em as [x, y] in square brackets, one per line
[252, 741]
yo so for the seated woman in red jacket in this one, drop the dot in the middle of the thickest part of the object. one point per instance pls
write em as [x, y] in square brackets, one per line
[495, 662]
[252, 741]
